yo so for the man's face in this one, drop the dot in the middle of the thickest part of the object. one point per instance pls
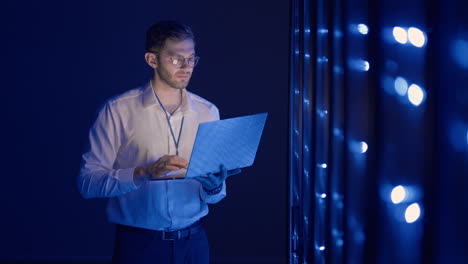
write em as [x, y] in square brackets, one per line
[175, 76]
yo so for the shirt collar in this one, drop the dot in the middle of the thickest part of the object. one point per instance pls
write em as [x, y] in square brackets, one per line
[149, 99]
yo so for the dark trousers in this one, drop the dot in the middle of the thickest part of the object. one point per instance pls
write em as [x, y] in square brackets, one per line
[142, 246]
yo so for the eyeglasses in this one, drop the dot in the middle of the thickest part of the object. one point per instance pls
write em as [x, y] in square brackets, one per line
[179, 61]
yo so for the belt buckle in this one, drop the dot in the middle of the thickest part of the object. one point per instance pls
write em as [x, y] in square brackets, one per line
[165, 238]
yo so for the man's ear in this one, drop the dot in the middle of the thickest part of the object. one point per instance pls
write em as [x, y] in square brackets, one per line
[151, 59]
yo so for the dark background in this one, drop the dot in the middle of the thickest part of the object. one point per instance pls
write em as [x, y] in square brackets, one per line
[62, 59]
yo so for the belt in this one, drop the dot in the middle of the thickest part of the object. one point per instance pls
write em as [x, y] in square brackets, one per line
[166, 235]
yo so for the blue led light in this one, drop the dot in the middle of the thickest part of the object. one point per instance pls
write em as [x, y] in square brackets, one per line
[364, 147]
[415, 94]
[363, 29]
[337, 69]
[359, 65]
[339, 242]
[358, 147]
[366, 66]
[412, 213]
[458, 135]
[337, 132]
[322, 59]
[460, 52]
[398, 194]
[337, 33]
[400, 35]
[416, 37]
[322, 113]
[323, 165]
[323, 31]
[359, 236]
[401, 86]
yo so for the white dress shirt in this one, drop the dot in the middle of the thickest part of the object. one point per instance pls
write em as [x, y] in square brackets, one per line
[131, 130]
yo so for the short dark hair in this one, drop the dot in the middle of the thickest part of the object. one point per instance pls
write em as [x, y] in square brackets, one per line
[158, 33]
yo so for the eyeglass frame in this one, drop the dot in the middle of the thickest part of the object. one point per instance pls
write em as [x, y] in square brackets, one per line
[186, 60]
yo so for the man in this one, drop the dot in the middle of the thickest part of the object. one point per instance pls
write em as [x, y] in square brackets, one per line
[140, 137]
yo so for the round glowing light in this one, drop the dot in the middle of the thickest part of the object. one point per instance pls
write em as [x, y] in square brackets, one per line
[364, 147]
[359, 64]
[339, 242]
[366, 66]
[412, 213]
[322, 248]
[416, 37]
[401, 86]
[398, 194]
[323, 165]
[400, 35]
[363, 29]
[324, 195]
[415, 94]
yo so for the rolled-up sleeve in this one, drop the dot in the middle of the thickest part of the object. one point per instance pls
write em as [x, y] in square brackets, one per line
[97, 178]
[213, 198]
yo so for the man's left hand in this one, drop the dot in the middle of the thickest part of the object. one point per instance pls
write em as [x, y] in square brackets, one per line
[212, 181]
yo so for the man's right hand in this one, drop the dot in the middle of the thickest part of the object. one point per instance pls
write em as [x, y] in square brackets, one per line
[162, 165]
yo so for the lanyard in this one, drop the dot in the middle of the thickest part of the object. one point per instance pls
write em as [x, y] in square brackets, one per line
[176, 143]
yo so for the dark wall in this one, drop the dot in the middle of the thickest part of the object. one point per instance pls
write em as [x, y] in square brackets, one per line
[62, 59]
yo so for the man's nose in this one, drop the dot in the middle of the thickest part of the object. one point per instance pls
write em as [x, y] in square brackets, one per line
[184, 64]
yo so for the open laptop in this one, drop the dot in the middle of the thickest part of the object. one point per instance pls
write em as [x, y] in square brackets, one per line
[232, 142]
